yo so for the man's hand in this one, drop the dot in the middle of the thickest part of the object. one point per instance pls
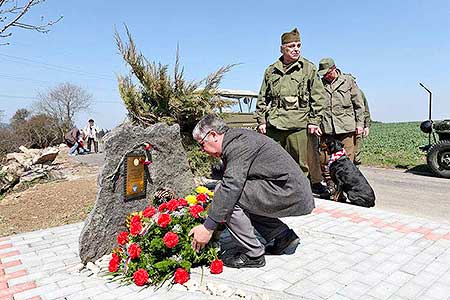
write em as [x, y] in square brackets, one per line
[262, 128]
[359, 130]
[366, 131]
[201, 237]
[314, 129]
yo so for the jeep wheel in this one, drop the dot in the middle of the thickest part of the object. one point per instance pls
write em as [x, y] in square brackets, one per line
[438, 158]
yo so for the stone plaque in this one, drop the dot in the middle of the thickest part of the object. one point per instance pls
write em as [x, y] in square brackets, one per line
[135, 183]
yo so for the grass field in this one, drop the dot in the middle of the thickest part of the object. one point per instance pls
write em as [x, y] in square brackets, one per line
[394, 145]
[389, 145]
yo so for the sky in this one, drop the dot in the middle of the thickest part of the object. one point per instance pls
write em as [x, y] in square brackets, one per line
[389, 46]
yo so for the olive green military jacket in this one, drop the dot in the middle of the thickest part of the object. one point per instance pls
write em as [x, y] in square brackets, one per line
[367, 119]
[344, 109]
[291, 99]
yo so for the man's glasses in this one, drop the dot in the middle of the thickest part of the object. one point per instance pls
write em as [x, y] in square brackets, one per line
[202, 141]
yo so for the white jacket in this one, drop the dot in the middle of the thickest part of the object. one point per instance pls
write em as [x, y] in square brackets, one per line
[91, 132]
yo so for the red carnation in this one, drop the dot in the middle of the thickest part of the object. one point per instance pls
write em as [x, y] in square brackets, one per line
[164, 220]
[162, 207]
[135, 228]
[181, 276]
[148, 146]
[149, 212]
[216, 266]
[122, 238]
[195, 210]
[134, 250]
[202, 198]
[135, 219]
[114, 263]
[172, 205]
[170, 239]
[182, 202]
[147, 162]
[140, 277]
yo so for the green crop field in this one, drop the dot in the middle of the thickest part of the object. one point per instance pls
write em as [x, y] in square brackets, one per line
[394, 145]
[389, 145]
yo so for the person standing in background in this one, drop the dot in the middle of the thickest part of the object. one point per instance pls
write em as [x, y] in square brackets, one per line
[343, 117]
[291, 100]
[91, 132]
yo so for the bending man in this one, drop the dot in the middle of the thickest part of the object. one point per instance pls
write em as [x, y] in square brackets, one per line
[261, 183]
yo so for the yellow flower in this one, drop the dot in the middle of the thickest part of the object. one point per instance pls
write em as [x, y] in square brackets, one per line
[201, 189]
[191, 199]
[210, 194]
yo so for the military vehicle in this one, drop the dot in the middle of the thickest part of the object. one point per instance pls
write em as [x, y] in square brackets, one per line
[438, 149]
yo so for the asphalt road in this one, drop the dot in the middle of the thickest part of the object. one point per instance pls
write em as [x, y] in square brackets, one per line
[413, 194]
[398, 191]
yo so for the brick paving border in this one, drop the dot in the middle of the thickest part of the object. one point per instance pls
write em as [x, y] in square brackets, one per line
[8, 271]
[354, 217]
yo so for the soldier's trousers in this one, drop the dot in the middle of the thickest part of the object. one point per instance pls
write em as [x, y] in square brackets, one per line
[295, 142]
[358, 147]
[313, 154]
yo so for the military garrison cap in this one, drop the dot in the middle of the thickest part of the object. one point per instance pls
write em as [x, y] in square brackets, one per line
[292, 36]
[324, 65]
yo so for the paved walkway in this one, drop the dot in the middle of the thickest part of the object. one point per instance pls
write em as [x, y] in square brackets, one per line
[347, 252]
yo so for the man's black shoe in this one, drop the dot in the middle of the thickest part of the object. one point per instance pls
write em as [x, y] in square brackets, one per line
[241, 260]
[318, 188]
[284, 245]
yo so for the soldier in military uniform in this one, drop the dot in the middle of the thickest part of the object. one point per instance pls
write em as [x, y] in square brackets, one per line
[365, 133]
[343, 117]
[291, 100]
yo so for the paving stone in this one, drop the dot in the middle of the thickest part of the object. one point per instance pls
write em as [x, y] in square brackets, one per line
[412, 268]
[272, 275]
[383, 290]
[316, 265]
[305, 285]
[436, 268]
[296, 276]
[64, 292]
[279, 285]
[323, 275]
[71, 280]
[410, 290]
[341, 265]
[328, 288]
[388, 267]
[354, 290]
[348, 277]
[425, 279]
[14, 269]
[371, 278]
[380, 257]
[38, 291]
[53, 278]
[26, 278]
[437, 291]
[401, 258]
[399, 278]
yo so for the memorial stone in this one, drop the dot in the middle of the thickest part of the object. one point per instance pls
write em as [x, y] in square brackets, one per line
[128, 179]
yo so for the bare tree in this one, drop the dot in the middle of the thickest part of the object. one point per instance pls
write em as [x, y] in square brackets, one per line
[63, 103]
[12, 13]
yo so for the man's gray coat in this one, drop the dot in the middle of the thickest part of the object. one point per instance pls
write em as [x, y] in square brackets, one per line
[261, 177]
